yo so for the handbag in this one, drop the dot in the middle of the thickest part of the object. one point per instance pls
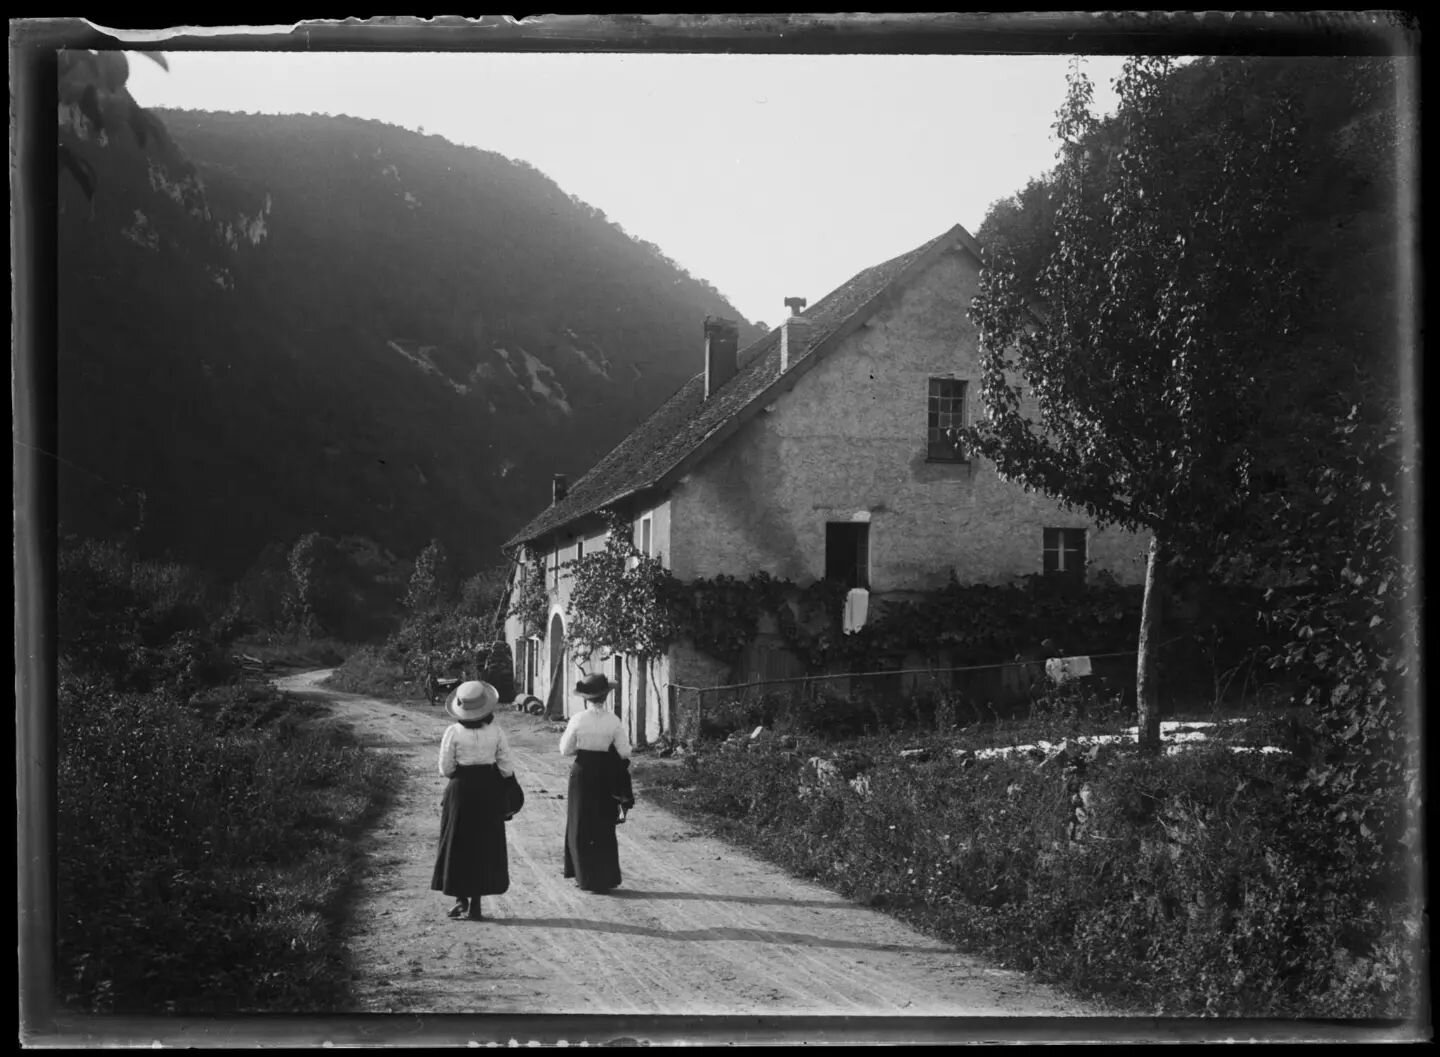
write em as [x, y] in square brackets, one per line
[514, 797]
[623, 791]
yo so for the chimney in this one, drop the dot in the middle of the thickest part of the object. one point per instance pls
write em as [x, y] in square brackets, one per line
[722, 342]
[792, 337]
[557, 488]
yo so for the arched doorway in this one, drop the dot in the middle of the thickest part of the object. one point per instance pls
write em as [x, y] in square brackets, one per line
[555, 699]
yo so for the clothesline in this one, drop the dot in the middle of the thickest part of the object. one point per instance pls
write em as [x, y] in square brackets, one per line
[901, 671]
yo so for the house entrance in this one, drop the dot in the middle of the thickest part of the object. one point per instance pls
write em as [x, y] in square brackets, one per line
[642, 679]
[555, 699]
[618, 694]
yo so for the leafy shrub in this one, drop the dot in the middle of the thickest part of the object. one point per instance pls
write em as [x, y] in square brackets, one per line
[1082, 704]
[201, 852]
[135, 624]
[798, 711]
[371, 670]
[1206, 883]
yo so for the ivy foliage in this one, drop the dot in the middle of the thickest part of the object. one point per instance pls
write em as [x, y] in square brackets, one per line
[1351, 617]
[624, 602]
[960, 623]
[979, 623]
[618, 602]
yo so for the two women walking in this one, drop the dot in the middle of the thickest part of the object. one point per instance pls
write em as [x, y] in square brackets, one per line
[473, 859]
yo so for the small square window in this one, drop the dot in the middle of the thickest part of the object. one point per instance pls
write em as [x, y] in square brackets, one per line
[847, 553]
[945, 411]
[1064, 551]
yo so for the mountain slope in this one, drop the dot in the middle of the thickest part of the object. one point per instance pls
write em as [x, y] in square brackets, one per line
[276, 324]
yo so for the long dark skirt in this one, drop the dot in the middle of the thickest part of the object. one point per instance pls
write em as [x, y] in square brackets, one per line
[591, 854]
[473, 859]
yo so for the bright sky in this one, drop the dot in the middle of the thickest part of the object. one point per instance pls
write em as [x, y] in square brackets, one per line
[768, 175]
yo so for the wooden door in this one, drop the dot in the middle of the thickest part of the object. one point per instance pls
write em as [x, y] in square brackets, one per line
[555, 699]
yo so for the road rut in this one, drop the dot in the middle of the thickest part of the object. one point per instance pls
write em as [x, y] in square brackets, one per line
[697, 928]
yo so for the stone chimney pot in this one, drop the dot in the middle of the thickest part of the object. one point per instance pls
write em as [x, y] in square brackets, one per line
[722, 347]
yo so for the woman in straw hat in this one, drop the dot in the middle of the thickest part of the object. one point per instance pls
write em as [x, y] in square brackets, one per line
[473, 860]
[597, 740]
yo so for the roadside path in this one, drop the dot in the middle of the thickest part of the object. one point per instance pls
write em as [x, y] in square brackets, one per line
[698, 927]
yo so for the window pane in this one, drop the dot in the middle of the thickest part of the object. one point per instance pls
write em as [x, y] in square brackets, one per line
[945, 410]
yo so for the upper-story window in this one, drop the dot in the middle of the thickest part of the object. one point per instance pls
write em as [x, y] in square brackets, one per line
[646, 530]
[945, 411]
[579, 547]
[1064, 551]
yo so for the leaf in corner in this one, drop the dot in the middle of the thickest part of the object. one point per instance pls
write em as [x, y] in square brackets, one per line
[80, 169]
[90, 106]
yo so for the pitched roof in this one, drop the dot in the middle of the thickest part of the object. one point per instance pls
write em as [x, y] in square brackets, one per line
[687, 426]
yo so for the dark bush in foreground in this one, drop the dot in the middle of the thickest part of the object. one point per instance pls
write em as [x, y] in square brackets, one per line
[202, 852]
[1202, 884]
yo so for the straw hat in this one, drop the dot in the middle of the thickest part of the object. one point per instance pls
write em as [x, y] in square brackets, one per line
[473, 700]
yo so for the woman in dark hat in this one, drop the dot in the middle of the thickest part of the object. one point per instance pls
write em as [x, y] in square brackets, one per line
[597, 740]
[473, 860]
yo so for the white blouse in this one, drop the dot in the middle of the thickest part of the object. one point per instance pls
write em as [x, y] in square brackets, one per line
[595, 730]
[471, 745]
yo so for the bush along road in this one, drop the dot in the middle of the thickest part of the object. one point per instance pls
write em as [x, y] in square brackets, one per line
[697, 928]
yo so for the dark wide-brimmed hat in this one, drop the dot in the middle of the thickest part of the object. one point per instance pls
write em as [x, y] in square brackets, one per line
[473, 700]
[594, 687]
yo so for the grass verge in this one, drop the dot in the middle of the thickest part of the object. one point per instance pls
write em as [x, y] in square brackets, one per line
[1200, 884]
[204, 851]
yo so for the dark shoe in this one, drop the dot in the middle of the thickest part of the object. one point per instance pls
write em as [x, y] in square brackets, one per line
[474, 914]
[461, 907]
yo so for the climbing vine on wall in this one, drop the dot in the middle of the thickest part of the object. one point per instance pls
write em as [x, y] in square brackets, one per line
[961, 623]
[984, 623]
[619, 597]
[627, 602]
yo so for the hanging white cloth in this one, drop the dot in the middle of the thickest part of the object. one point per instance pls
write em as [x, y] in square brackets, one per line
[857, 606]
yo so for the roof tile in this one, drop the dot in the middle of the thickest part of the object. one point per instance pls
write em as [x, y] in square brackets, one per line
[683, 422]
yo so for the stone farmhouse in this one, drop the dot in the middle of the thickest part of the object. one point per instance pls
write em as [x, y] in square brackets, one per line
[818, 451]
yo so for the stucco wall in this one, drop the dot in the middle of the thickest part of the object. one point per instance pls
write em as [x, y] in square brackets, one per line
[849, 442]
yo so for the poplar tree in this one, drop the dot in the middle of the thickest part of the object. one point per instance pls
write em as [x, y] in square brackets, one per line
[1128, 376]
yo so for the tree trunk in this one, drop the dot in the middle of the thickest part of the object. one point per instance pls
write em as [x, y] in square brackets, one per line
[1147, 698]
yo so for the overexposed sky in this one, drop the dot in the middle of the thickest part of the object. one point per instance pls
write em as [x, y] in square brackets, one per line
[768, 175]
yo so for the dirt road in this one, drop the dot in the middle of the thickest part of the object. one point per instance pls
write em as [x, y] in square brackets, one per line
[698, 928]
